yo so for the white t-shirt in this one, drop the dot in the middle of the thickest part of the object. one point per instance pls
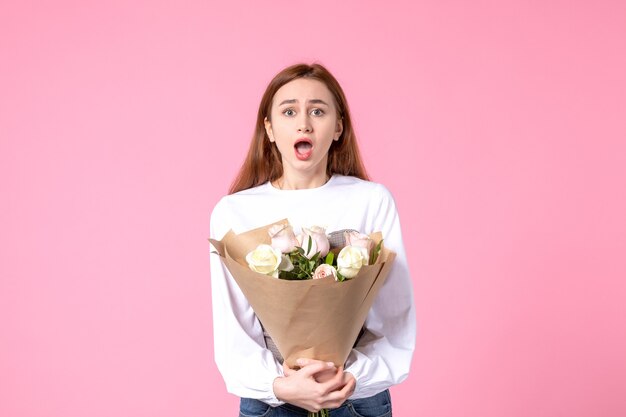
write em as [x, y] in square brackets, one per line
[383, 355]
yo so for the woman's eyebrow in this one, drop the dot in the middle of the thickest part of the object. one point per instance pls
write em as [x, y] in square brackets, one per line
[313, 101]
[291, 101]
[318, 101]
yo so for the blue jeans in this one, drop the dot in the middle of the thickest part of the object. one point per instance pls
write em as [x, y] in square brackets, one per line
[378, 405]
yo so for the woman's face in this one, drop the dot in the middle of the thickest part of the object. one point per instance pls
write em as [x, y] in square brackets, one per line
[303, 123]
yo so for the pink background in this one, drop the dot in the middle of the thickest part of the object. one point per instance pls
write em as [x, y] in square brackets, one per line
[499, 127]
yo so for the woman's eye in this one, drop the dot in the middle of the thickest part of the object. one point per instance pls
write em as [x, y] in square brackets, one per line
[317, 112]
[289, 112]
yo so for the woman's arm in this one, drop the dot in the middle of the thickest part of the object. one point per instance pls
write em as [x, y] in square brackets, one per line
[249, 369]
[382, 357]
[316, 385]
[247, 366]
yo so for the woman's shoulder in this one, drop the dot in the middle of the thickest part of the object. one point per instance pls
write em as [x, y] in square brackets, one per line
[244, 195]
[222, 213]
[374, 190]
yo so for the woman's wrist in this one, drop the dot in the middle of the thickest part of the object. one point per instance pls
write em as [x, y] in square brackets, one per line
[277, 387]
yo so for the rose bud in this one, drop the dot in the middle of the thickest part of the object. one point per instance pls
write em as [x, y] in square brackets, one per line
[283, 237]
[324, 271]
[355, 238]
[319, 241]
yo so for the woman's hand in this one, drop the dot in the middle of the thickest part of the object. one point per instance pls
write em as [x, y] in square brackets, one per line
[316, 385]
[321, 376]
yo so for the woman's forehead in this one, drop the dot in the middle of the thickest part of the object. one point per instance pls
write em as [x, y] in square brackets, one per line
[302, 90]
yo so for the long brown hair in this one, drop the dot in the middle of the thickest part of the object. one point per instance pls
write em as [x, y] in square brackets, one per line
[263, 162]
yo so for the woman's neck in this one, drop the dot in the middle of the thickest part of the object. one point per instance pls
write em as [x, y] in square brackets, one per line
[300, 182]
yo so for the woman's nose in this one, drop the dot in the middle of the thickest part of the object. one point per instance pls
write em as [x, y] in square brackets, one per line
[304, 124]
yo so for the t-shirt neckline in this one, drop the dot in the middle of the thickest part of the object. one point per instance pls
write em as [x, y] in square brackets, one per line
[302, 190]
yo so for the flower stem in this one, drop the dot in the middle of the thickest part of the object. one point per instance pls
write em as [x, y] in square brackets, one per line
[322, 413]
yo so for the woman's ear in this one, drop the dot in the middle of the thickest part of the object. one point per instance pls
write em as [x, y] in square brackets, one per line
[268, 129]
[339, 128]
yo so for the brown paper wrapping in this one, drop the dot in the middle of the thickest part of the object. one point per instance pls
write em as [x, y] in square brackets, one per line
[317, 319]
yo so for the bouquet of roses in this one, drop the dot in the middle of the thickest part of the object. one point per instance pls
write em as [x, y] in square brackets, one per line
[319, 306]
[309, 255]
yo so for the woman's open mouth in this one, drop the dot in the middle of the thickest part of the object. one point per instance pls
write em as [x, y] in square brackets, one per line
[303, 148]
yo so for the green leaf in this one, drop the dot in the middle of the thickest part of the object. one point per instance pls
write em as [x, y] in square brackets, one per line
[330, 258]
[376, 252]
[288, 275]
[310, 244]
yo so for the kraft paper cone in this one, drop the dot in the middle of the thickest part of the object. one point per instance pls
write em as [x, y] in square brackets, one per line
[317, 319]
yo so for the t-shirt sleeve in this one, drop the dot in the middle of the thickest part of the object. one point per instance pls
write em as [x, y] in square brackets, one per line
[247, 366]
[383, 355]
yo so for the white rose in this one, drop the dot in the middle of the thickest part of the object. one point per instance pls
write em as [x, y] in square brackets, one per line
[265, 260]
[350, 260]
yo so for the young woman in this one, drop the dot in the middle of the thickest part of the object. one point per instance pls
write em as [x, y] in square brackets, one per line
[303, 164]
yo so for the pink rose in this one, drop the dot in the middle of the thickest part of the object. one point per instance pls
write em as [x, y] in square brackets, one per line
[319, 241]
[324, 271]
[283, 237]
[359, 239]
